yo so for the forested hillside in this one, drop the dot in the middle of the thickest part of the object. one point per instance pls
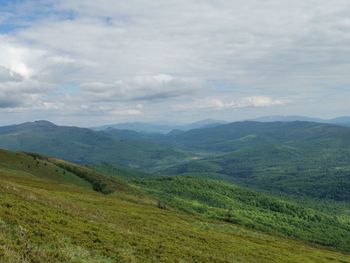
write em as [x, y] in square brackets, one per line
[49, 212]
[84, 146]
[296, 158]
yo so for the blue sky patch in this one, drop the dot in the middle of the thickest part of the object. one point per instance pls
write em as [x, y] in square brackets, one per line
[14, 16]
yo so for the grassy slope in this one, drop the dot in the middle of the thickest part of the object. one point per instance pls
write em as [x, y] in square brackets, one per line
[49, 216]
[231, 203]
[21, 165]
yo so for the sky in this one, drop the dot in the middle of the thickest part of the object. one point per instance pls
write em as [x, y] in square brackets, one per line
[89, 63]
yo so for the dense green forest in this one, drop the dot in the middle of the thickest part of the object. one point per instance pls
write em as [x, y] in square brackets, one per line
[51, 212]
[228, 202]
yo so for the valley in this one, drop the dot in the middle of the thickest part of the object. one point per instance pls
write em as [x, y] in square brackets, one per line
[211, 188]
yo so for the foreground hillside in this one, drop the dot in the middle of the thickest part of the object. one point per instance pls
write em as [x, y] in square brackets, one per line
[50, 213]
[231, 203]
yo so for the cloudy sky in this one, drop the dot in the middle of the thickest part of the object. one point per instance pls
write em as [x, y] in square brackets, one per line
[88, 62]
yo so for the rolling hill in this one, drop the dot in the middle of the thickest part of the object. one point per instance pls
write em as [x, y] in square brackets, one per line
[49, 212]
[225, 138]
[87, 146]
[295, 158]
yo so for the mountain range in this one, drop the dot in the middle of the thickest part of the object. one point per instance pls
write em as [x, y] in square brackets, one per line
[84, 145]
[282, 185]
[156, 128]
[294, 158]
[344, 121]
[144, 127]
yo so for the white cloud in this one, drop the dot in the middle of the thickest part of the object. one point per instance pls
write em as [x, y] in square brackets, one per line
[15, 58]
[161, 53]
[128, 112]
[261, 101]
[141, 87]
[7, 75]
[222, 104]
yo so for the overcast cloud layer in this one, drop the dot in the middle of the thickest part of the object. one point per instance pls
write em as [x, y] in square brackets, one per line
[94, 62]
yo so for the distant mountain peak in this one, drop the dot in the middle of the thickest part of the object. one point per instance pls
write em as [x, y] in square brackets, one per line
[44, 123]
[39, 123]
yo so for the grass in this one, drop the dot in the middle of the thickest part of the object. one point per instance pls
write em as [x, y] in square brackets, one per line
[48, 217]
[231, 203]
